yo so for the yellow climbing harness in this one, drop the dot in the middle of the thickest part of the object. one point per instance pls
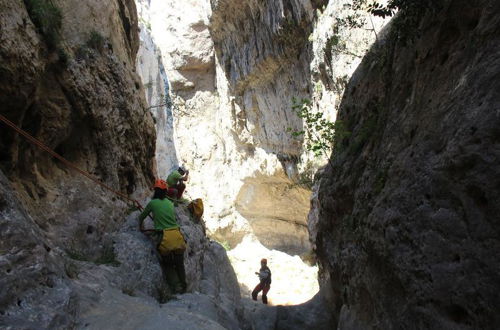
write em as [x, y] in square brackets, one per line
[172, 241]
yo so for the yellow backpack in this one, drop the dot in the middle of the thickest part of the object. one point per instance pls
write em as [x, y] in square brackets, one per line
[196, 208]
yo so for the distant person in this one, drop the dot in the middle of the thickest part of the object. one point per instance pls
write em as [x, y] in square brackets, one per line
[265, 281]
[172, 244]
[175, 181]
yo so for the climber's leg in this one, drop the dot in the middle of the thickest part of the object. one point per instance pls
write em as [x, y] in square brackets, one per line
[172, 193]
[179, 269]
[171, 276]
[256, 291]
[265, 290]
[180, 189]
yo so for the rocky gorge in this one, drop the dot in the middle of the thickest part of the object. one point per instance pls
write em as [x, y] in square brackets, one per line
[399, 230]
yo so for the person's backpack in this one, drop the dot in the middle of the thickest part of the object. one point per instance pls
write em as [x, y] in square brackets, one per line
[196, 208]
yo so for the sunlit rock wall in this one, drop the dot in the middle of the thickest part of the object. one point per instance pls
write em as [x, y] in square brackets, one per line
[233, 70]
[156, 85]
[202, 114]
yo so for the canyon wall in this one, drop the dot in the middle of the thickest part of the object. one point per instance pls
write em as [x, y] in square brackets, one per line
[71, 255]
[404, 220]
[74, 88]
[232, 71]
[406, 226]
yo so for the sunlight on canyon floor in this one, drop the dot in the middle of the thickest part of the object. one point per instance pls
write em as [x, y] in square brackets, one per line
[293, 281]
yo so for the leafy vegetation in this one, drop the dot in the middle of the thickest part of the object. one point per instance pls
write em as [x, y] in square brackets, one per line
[319, 133]
[47, 17]
[75, 255]
[306, 175]
[405, 27]
[96, 41]
[224, 244]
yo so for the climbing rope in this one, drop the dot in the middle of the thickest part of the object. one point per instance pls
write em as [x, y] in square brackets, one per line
[84, 173]
[42, 146]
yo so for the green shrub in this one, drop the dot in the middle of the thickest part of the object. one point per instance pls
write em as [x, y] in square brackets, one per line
[320, 134]
[405, 26]
[96, 41]
[224, 244]
[47, 17]
[75, 255]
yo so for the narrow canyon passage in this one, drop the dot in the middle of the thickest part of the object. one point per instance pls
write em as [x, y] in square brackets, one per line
[276, 209]
[355, 145]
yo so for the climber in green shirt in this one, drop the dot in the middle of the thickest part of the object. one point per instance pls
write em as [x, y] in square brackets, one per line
[175, 181]
[163, 214]
[172, 244]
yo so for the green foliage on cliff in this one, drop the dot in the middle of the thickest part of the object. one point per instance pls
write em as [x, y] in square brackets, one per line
[47, 17]
[319, 133]
[96, 40]
[410, 12]
[224, 244]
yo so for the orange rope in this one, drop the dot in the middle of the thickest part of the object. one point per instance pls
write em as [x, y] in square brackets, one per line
[67, 163]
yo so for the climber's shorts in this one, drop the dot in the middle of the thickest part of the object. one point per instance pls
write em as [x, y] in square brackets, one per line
[172, 241]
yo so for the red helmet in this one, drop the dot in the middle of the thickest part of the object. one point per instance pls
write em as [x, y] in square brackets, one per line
[160, 184]
[263, 261]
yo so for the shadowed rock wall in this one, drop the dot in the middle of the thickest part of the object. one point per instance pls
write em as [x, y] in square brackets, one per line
[408, 215]
[79, 95]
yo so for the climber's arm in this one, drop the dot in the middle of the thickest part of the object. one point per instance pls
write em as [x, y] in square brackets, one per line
[143, 216]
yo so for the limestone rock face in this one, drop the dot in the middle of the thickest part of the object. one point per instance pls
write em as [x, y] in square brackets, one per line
[262, 49]
[50, 287]
[277, 212]
[233, 68]
[213, 301]
[155, 81]
[310, 315]
[180, 30]
[34, 292]
[76, 91]
[407, 216]
[81, 98]
[243, 62]
[71, 255]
